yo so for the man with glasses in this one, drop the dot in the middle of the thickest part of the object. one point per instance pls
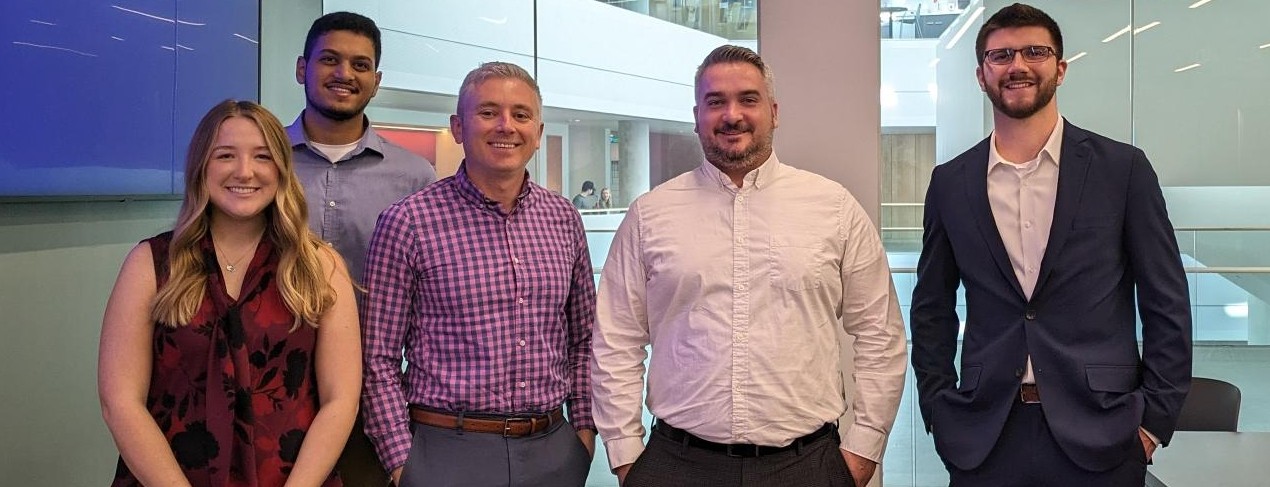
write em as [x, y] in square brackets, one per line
[1050, 229]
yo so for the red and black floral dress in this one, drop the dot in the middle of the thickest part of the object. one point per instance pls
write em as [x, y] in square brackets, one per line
[234, 391]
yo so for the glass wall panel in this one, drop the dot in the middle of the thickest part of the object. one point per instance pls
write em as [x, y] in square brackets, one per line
[1175, 78]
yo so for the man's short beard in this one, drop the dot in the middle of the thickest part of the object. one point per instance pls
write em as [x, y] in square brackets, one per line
[335, 114]
[745, 159]
[1046, 88]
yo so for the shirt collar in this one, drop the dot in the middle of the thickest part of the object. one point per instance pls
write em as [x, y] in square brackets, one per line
[370, 139]
[760, 177]
[1051, 151]
[469, 191]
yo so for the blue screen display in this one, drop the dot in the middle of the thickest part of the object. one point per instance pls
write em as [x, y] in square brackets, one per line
[101, 97]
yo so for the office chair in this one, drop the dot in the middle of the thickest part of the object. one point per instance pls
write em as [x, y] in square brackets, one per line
[1212, 405]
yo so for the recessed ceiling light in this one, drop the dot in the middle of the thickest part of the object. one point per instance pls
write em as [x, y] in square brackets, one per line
[1118, 33]
[1139, 30]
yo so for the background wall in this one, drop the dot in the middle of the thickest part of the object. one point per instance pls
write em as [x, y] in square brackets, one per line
[58, 262]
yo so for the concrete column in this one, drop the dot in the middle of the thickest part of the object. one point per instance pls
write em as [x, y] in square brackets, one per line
[830, 121]
[633, 162]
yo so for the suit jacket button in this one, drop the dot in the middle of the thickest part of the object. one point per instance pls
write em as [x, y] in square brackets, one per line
[1030, 314]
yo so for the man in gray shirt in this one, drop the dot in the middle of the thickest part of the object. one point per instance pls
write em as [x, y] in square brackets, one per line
[349, 172]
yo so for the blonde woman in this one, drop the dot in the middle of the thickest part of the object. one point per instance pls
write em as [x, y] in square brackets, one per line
[230, 349]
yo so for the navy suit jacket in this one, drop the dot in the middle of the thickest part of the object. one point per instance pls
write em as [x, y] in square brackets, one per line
[1111, 235]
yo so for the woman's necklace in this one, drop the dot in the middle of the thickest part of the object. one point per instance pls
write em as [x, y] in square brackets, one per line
[232, 266]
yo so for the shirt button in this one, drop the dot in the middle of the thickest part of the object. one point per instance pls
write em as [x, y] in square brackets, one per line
[331, 204]
[520, 300]
[1027, 224]
[521, 384]
[515, 260]
[521, 342]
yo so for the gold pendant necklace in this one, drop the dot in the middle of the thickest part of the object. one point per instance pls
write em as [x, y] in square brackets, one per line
[233, 266]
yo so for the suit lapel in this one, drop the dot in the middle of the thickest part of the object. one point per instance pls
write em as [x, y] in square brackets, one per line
[1072, 171]
[976, 175]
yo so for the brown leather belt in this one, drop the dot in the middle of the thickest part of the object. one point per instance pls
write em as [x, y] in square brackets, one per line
[509, 427]
[1029, 394]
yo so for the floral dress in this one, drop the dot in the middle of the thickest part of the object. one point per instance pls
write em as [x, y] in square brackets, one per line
[235, 390]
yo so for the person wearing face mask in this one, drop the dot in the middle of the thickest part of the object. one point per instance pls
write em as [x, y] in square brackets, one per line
[1061, 240]
[737, 274]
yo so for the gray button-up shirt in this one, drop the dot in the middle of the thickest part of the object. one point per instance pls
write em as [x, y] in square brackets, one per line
[345, 197]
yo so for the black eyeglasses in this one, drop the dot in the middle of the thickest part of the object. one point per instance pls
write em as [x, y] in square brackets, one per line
[1005, 55]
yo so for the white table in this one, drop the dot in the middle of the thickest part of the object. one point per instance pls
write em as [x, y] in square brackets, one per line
[1212, 459]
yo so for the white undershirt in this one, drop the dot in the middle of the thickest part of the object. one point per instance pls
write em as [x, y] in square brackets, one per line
[1022, 198]
[334, 153]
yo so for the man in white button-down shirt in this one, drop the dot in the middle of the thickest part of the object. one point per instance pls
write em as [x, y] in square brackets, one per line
[738, 274]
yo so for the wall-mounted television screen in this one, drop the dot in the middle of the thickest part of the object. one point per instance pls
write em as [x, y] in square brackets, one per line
[100, 97]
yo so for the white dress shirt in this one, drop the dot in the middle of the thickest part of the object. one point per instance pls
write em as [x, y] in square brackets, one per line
[1022, 198]
[739, 291]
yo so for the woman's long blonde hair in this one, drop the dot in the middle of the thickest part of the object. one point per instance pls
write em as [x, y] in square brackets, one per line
[304, 288]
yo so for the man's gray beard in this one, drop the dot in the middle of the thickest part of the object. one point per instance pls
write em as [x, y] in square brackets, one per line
[746, 160]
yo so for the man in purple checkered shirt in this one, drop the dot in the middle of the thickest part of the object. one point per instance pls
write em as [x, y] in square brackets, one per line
[485, 281]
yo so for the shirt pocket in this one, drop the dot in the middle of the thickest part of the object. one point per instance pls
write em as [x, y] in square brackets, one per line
[796, 261]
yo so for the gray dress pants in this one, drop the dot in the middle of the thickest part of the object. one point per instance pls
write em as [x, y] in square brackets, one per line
[441, 457]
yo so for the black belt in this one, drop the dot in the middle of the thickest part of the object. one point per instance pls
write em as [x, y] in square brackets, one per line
[741, 449]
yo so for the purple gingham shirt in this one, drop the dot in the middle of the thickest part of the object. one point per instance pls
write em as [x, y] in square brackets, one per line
[494, 310]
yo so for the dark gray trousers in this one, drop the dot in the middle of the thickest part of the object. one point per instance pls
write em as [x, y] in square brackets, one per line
[666, 463]
[1026, 455]
[441, 457]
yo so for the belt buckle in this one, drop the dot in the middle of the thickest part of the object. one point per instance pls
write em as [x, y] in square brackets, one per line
[737, 451]
[507, 425]
[1029, 397]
